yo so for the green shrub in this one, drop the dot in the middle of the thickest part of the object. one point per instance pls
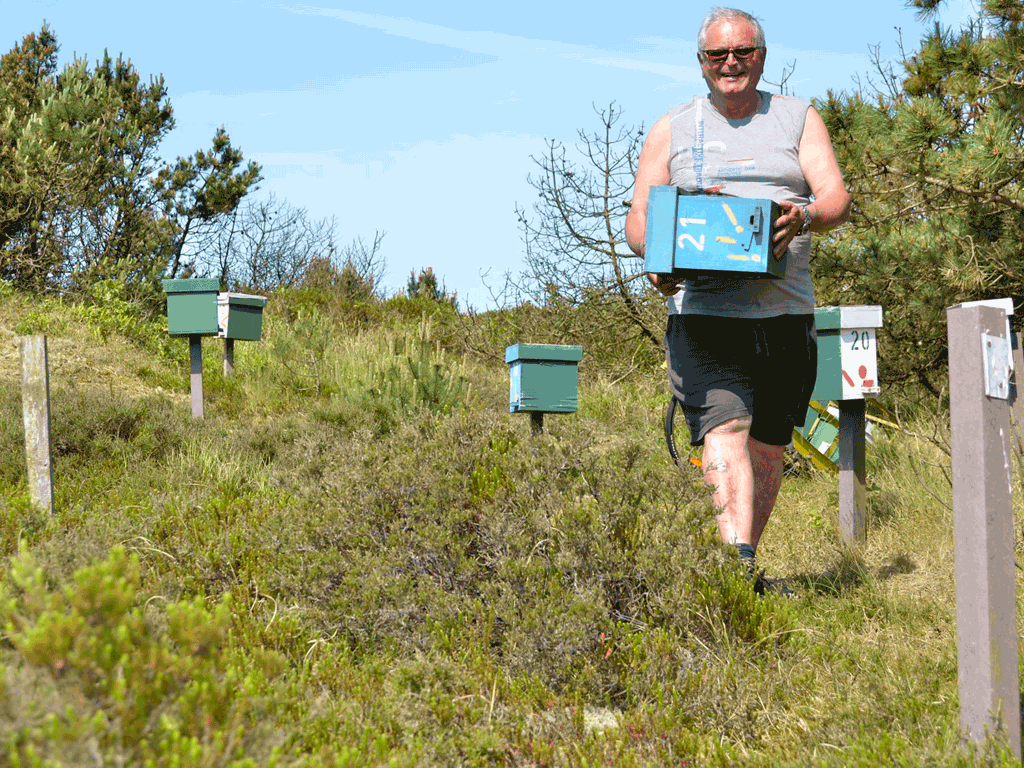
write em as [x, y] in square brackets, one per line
[93, 668]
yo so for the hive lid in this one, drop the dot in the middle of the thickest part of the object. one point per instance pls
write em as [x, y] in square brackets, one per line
[198, 285]
[559, 352]
[242, 299]
[833, 318]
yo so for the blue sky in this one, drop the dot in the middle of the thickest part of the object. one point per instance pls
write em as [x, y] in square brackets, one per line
[419, 119]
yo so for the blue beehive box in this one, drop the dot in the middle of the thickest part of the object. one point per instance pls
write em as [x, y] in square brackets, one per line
[694, 235]
[543, 378]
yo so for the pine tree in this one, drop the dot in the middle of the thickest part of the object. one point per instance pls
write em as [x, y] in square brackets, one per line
[84, 193]
[934, 162]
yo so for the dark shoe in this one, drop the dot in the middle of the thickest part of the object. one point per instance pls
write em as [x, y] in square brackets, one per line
[760, 584]
[775, 587]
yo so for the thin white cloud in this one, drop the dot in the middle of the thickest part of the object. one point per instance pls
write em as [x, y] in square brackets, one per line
[673, 71]
[495, 44]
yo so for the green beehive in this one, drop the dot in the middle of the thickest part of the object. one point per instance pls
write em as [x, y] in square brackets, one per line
[847, 370]
[847, 356]
[543, 378]
[192, 307]
[240, 316]
[821, 428]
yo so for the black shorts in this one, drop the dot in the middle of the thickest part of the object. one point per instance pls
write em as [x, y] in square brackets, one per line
[724, 368]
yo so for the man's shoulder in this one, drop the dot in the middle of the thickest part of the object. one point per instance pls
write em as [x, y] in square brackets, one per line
[790, 103]
[788, 110]
[684, 109]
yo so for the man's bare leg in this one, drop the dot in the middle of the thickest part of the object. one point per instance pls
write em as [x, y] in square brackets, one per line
[766, 467]
[746, 475]
[727, 467]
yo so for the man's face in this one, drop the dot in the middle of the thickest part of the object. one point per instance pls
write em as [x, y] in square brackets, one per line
[733, 76]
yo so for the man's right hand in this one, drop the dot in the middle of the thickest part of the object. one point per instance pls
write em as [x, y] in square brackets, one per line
[666, 284]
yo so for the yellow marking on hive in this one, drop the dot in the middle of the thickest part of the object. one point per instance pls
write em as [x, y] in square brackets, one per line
[738, 256]
[730, 214]
[739, 228]
[724, 239]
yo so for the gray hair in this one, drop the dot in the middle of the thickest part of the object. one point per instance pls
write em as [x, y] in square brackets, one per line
[720, 14]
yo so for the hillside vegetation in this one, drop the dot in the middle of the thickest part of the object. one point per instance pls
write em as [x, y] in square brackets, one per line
[360, 558]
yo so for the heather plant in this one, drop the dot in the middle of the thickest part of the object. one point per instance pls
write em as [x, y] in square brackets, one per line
[12, 434]
[107, 675]
[285, 583]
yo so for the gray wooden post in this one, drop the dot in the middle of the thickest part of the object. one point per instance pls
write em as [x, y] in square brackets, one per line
[195, 359]
[853, 511]
[229, 357]
[35, 406]
[986, 614]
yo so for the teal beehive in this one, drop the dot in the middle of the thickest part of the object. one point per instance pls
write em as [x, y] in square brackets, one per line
[192, 307]
[240, 316]
[847, 369]
[543, 378]
[693, 235]
[847, 353]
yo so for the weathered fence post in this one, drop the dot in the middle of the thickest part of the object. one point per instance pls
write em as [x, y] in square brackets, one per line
[35, 406]
[853, 501]
[979, 391]
[1017, 397]
[229, 357]
[195, 360]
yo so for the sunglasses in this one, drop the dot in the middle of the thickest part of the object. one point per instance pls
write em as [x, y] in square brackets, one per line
[721, 54]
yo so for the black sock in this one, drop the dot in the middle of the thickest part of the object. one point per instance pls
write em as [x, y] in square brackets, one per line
[747, 556]
[746, 552]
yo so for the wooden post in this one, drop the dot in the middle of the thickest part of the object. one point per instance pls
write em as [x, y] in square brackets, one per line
[536, 422]
[195, 359]
[35, 406]
[853, 514]
[229, 357]
[986, 609]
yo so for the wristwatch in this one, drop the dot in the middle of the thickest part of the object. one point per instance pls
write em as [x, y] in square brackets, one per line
[806, 226]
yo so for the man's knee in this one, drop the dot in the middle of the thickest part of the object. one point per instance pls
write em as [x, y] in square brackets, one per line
[739, 426]
[725, 447]
[765, 451]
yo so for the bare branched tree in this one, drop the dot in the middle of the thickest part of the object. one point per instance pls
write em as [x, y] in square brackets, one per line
[574, 236]
[355, 272]
[365, 259]
[270, 243]
[783, 84]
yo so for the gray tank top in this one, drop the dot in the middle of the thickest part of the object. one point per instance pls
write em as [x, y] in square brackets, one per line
[756, 157]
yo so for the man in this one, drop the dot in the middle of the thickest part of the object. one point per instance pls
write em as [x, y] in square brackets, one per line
[742, 352]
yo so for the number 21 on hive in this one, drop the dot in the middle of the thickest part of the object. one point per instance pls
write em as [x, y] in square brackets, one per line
[686, 237]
